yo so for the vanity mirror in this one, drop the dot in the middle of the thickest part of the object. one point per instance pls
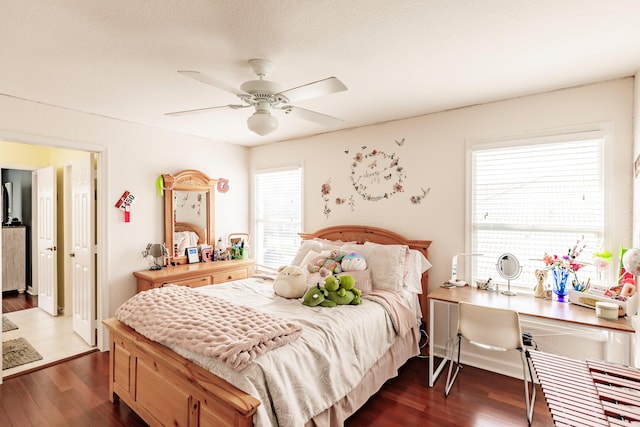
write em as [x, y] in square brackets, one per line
[188, 212]
[508, 267]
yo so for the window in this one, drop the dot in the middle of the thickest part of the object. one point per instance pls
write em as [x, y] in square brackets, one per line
[535, 196]
[277, 215]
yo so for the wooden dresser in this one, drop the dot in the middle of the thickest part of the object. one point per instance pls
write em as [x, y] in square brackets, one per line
[194, 275]
[14, 258]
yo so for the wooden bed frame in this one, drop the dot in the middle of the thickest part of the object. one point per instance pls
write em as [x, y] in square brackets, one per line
[187, 226]
[164, 388]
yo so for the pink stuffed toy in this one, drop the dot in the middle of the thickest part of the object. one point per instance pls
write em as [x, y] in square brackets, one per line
[327, 263]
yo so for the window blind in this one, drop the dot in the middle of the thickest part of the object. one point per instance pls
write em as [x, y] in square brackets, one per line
[534, 199]
[277, 215]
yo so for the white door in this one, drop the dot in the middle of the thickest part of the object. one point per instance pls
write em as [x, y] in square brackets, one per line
[46, 231]
[82, 271]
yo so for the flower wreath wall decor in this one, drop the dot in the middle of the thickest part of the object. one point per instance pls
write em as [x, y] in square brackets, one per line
[375, 175]
[378, 170]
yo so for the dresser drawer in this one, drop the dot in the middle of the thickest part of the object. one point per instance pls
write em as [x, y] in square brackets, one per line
[195, 275]
[193, 282]
[228, 276]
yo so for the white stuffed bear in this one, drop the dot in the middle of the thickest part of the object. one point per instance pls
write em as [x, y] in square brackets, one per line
[539, 290]
[290, 282]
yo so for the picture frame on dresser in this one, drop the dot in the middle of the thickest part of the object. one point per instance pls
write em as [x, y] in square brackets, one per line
[192, 255]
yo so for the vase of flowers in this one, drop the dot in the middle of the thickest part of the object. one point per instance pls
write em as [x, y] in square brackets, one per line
[560, 285]
[562, 267]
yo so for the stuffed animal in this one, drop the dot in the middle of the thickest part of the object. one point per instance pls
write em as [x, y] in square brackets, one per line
[290, 282]
[353, 261]
[335, 291]
[342, 291]
[328, 262]
[539, 290]
[317, 296]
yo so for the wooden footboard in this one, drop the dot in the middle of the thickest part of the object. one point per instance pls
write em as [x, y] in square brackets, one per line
[166, 389]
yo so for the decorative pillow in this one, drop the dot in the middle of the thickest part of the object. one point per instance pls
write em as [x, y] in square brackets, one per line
[362, 278]
[387, 264]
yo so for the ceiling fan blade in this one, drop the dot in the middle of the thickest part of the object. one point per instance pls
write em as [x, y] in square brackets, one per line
[212, 82]
[312, 90]
[203, 110]
[312, 116]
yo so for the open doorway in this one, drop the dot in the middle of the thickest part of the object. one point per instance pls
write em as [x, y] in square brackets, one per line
[51, 335]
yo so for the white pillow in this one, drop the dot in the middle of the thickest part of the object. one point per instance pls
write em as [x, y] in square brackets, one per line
[303, 250]
[415, 266]
[317, 245]
[387, 264]
[310, 278]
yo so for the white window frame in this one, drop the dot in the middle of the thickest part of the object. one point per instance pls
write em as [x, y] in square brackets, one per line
[255, 217]
[602, 131]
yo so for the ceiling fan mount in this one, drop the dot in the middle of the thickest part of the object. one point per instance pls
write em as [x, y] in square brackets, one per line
[261, 67]
[265, 95]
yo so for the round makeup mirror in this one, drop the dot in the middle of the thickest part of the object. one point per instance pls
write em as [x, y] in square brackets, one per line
[509, 268]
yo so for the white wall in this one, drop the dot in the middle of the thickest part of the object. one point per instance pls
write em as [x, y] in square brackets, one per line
[134, 156]
[433, 156]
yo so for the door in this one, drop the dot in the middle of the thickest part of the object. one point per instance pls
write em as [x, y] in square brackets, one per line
[46, 231]
[82, 249]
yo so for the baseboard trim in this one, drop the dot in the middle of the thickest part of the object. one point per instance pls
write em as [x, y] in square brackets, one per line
[37, 368]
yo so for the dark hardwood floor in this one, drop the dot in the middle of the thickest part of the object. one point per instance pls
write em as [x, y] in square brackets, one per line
[75, 393]
[15, 301]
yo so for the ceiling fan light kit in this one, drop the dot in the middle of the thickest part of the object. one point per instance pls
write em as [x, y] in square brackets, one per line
[265, 95]
[262, 122]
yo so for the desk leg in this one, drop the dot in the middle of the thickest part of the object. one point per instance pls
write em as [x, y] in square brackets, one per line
[431, 339]
[618, 348]
[433, 375]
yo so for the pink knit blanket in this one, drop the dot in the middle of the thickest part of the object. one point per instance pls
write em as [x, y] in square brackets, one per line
[206, 324]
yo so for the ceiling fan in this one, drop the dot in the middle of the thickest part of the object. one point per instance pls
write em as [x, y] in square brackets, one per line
[265, 95]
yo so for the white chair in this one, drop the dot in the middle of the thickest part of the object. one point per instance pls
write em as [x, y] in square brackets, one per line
[494, 329]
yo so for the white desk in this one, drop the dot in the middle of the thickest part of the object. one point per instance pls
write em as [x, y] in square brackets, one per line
[525, 305]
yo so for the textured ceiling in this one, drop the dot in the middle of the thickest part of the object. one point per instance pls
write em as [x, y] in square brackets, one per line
[119, 58]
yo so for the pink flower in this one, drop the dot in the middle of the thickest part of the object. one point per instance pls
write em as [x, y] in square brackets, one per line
[566, 262]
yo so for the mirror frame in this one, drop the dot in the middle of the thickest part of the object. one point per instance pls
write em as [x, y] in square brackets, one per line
[187, 180]
[500, 269]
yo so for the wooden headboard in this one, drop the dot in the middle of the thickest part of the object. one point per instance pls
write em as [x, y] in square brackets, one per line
[187, 226]
[361, 234]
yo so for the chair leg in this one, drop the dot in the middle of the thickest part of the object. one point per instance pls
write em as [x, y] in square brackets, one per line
[450, 380]
[528, 378]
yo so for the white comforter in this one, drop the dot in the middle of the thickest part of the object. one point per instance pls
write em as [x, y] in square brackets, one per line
[299, 380]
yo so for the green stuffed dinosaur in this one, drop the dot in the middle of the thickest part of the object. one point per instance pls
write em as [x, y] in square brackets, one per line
[317, 296]
[336, 291]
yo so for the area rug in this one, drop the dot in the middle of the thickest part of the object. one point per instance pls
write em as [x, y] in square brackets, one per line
[18, 352]
[8, 325]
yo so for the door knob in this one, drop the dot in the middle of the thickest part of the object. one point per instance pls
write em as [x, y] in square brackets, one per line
[53, 248]
[72, 254]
